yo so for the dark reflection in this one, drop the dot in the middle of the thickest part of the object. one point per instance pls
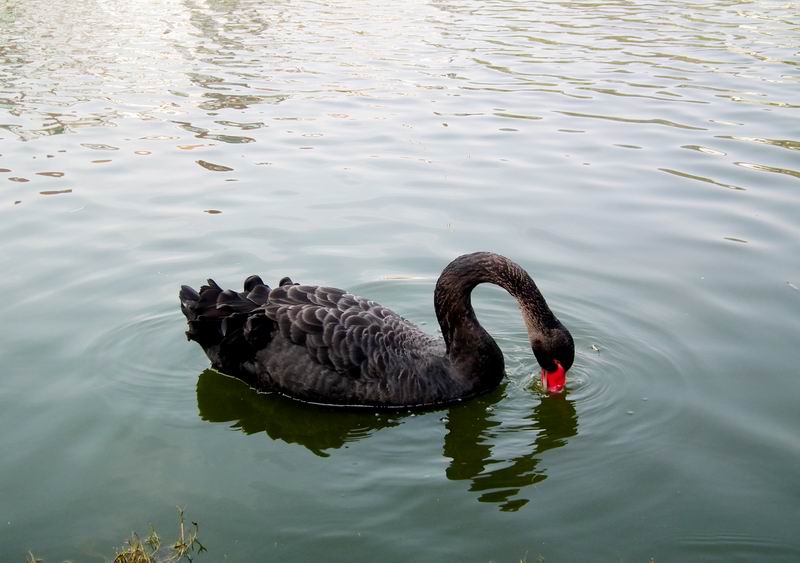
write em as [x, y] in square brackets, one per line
[471, 432]
[468, 443]
[224, 399]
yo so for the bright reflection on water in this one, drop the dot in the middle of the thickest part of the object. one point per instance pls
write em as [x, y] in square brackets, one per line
[640, 159]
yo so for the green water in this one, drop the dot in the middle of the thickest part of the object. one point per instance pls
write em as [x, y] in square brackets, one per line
[640, 159]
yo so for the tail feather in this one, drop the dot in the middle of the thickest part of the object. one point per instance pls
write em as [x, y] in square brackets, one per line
[231, 326]
[259, 294]
[252, 282]
[188, 294]
[212, 312]
[231, 302]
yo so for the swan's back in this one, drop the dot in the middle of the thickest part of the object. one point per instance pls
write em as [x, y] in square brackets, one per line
[318, 344]
[353, 336]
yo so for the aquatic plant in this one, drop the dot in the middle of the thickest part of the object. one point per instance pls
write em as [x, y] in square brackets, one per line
[151, 550]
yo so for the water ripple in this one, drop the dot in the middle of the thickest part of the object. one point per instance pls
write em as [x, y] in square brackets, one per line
[144, 360]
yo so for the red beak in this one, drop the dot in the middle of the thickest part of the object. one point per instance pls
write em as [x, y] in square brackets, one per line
[554, 381]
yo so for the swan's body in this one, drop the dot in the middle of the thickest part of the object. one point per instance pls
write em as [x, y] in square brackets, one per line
[324, 345]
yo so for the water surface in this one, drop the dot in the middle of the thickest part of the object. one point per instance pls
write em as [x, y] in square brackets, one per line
[639, 159]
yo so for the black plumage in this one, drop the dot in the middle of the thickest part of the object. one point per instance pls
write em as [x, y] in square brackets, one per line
[324, 345]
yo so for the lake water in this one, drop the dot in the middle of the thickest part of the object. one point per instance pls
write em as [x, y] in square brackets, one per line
[640, 159]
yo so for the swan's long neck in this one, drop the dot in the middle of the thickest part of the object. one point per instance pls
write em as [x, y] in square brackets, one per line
[464, 337]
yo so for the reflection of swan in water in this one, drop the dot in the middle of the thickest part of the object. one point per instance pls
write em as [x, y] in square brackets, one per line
[223, 399]
[468, 442]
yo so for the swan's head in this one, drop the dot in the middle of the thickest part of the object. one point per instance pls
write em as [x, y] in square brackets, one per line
[555, 352]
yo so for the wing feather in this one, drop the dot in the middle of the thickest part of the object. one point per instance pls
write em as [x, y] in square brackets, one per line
[354, 336]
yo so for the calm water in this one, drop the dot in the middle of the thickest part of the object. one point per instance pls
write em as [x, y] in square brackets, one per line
[641, 160]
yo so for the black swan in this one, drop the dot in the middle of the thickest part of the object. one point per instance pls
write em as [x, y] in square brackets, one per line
[324, 345]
